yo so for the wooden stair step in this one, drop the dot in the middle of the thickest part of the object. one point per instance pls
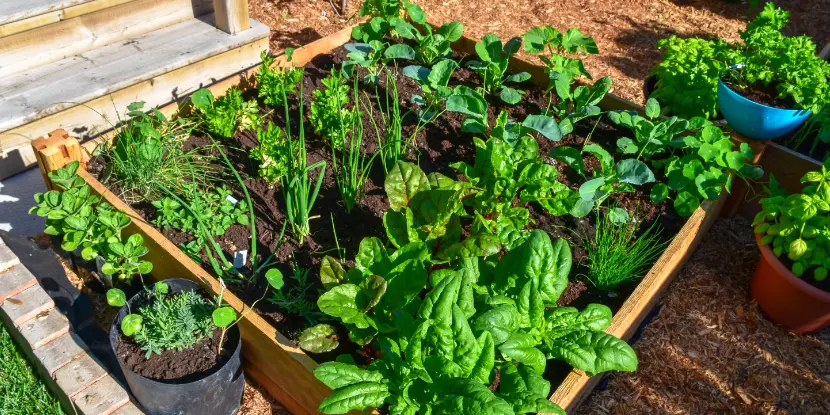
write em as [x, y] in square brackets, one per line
[15, 10]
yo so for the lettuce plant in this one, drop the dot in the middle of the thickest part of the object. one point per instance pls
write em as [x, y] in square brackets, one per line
[798, 225]
[494, 59]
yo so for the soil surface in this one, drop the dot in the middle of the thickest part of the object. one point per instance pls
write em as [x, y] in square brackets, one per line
[763, 94]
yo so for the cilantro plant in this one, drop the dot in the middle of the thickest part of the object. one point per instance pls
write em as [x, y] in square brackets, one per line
[330, 114]
[696, 157]
[687, 75]
[91, 225]
[564, 67]
[214, 210]
[274, 82]
[798, 225]
[223, 116]
[494, 59]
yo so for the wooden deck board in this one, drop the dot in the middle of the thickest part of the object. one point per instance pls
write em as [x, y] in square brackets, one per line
[14, 10]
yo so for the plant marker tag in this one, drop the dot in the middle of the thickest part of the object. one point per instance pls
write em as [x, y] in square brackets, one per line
[240, 258]
[232, 200]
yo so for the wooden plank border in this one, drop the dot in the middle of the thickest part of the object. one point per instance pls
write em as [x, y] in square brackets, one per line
[285, 370]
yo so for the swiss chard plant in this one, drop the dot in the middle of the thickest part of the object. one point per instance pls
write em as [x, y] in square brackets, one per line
[492, 63]
[559, 52]
[798, 225]
[225, 115]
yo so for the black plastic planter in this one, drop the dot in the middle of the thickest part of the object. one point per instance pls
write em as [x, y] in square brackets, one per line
[218, 391]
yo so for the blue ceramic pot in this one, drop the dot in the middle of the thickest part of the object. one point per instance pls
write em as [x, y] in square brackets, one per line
[754, 120]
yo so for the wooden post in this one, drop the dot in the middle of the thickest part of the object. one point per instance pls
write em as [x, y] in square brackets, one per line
[231, 15]
[55, 151]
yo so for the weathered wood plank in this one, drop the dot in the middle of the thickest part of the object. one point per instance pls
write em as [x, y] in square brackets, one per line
[231, 15]
[14, 10]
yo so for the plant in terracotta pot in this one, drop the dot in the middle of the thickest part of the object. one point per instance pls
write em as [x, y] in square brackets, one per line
[793, 232]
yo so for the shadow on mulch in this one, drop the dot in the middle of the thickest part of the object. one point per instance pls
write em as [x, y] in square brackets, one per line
[711, 350]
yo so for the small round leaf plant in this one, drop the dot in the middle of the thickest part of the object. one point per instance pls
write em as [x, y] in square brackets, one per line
[798, 225]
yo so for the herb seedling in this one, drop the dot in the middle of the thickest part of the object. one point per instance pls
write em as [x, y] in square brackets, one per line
[275, 82]
[223, 116]
[330, 114]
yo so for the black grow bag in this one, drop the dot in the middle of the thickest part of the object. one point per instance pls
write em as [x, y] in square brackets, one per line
[218, 391]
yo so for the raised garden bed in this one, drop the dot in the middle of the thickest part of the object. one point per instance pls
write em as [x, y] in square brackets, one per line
[272, 358]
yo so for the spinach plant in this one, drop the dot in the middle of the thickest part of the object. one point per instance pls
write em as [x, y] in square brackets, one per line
[564, 67]
[494, 59]
[798, 225]
[223, 116]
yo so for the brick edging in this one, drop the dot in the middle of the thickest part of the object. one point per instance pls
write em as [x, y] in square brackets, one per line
[75, 377]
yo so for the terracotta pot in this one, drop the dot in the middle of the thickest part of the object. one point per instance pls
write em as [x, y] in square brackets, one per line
[785, 298]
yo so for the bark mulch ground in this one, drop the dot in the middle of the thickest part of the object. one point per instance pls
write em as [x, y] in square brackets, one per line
[626, 31]
[710, 349]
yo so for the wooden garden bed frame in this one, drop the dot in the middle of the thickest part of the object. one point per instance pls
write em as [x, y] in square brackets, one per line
[285, 370]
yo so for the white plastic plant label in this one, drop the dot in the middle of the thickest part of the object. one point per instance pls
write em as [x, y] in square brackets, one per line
[232, 200]
[240, 258]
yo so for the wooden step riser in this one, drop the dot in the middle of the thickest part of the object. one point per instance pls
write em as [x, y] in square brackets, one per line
[96, 116]
[75, 35]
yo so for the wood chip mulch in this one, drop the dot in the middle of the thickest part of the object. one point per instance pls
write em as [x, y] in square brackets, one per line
[626, 31]
[711, 350]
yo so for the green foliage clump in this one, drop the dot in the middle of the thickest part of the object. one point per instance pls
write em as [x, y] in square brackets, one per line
[90, 224]
[272, 153]
[494, 59]
[432, 45]
[274, 82]
[330, 115]
[617, 254]
[146, 155]
[295, 300]
[687, 75]
[213, 209]
[225, 115]
[798, 225]
[173, 322]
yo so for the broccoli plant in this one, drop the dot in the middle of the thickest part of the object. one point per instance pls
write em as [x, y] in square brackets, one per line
[434, 44]
[374, 56]
[434, 83]
[494, 59]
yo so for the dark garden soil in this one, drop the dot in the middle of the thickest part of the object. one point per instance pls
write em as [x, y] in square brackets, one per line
[178, 366]
[435, 147]
[763, 94]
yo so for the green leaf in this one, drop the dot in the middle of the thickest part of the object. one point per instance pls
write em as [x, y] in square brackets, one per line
[544, 125]
[372, 289]
[686, 203]
[594, 352]
[476, 246]
[274, 278]
[145, 267]
[332, 273]
[403, 182]
[418, 73]
[510, 95]
[605, 158]
[486, 359]
[592, 190]
[354, 397]
[452, 31]
[441, 72]
[571, 156]
[337, 375]
[223, 316]
[735, 160]
[116, 297]
[659, 193]
[131, 324]
[501, 322]
[416, 14]
[341, 302]
[547, 263]
[319, 339]
[399, 51]
[634, 172]
[108, 268]
[652, 108]
[519, 77]
[574, 41]
[522, 348]
[202, 99]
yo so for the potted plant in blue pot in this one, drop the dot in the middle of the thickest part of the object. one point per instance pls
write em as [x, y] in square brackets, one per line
[775, 83]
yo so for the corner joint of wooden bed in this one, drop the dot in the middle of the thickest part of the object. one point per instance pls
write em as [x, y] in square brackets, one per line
[56, 150]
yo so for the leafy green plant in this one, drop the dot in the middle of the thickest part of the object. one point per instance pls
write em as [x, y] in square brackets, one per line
[90, 224]
[798, 225]
[564, 67]
[618, 254]
[215, 211]
[384, 14]
[494, 59]
[272, 153]
[434, 84]
[374, 56]
[687, 75]
[330, 115]
[295, 300]
[696, 157]
[790, 63]
[147, 154]
[433, 44]
[223, 116]
[274, 82]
